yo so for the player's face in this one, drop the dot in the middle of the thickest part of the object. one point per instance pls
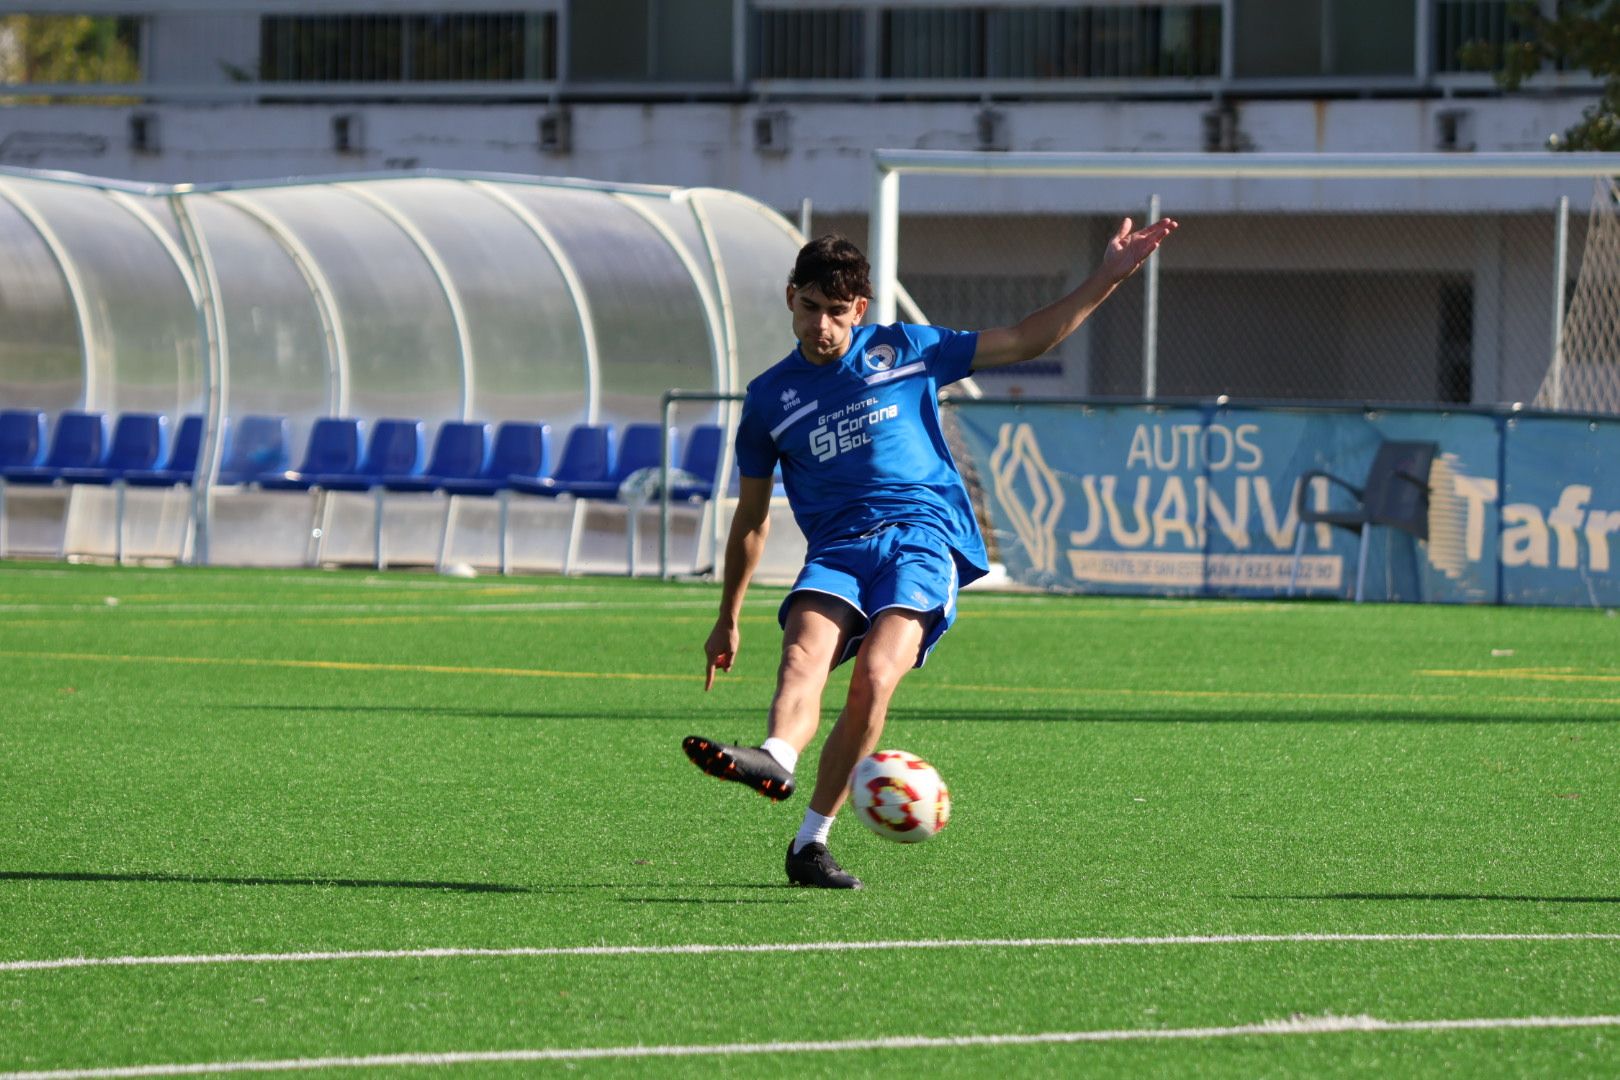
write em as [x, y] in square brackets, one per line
[821, 323]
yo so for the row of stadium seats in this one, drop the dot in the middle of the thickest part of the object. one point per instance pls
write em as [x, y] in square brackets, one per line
[374, 459]
[138, 452]
[468, 458]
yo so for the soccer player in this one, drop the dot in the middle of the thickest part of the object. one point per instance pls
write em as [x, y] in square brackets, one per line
[852, 416]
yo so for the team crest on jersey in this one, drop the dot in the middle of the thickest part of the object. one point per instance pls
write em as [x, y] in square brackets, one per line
[880, 357]
[790, 398]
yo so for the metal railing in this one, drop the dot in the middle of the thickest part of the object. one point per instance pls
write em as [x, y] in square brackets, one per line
[668, 402]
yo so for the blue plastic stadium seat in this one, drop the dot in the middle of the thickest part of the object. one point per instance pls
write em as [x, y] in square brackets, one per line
[522, 449]
[22, 438]
[585, 469]
[181, 465]
[645, 446]
[701, 459]
[332, 456]
[80, 442]
[461, 452]
[256, 447]
[394, 449]
[138, 442]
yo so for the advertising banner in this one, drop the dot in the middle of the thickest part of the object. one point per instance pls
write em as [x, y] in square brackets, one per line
[1206, 501]
[1561, 511]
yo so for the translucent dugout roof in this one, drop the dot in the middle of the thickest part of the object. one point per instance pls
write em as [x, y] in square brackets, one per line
[430, 295]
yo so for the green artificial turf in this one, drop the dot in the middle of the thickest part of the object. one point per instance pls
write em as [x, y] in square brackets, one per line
[208, 762]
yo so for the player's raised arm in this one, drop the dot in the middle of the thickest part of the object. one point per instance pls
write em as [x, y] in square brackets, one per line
[744, 546]
[1041, 331]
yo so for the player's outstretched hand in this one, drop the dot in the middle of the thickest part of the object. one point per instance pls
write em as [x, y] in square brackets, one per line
[721, 649]
[1128, 250]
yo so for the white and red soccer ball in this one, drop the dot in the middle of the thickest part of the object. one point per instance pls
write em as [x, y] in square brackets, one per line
[900, 796]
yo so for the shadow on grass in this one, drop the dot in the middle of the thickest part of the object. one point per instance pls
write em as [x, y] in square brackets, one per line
[1090, 714]
[755, 715]
[1271, 715]
[1440, 896]
[445, 886]
[332, 883]
[582, 886]
[798, 899]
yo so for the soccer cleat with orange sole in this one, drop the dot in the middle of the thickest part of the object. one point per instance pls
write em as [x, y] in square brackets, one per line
[746, 765]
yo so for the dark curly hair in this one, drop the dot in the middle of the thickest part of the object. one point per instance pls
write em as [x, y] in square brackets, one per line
[835, 266]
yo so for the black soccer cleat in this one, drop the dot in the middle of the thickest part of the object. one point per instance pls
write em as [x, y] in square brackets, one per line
[814, 866]
[747, 765]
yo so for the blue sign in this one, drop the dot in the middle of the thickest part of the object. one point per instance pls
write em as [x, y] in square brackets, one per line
[1561, 512]
[1206, 501]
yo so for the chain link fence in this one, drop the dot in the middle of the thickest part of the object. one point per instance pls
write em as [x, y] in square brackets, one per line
[1364, 290]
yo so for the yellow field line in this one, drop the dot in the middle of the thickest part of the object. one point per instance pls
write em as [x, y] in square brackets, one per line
[1533, 674]
[350, 665]
[12, 624]
[543, 673]
[1277, 695]
[1213, 694]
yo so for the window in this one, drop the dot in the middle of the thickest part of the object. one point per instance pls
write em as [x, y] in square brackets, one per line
[1151, 42]
[1459, 22]
[1102, 41]
[807, 44]
[934, 43]
[1105, 42]
[1316, 38]
[630, 41]
[490, 47]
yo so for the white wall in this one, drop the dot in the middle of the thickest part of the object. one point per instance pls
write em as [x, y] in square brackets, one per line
[712, 144]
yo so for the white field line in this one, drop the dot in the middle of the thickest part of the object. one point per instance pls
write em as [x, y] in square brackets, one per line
[201, 959]
[1310, 1025]
[326, 579]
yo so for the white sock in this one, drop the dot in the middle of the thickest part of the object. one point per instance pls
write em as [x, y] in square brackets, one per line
[782, 751]
[813, 831]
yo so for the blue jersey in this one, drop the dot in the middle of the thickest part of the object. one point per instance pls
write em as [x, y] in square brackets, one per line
[859, 439]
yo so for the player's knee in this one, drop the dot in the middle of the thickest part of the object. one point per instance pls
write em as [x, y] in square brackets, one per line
[803, 665]
[875, 681]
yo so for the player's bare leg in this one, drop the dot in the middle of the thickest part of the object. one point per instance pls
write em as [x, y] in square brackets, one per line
[813, 639]
[887, 654]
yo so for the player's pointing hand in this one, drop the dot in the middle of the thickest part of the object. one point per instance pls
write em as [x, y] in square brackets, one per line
[721, 650]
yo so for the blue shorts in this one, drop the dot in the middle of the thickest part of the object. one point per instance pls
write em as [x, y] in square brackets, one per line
[895, 566]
